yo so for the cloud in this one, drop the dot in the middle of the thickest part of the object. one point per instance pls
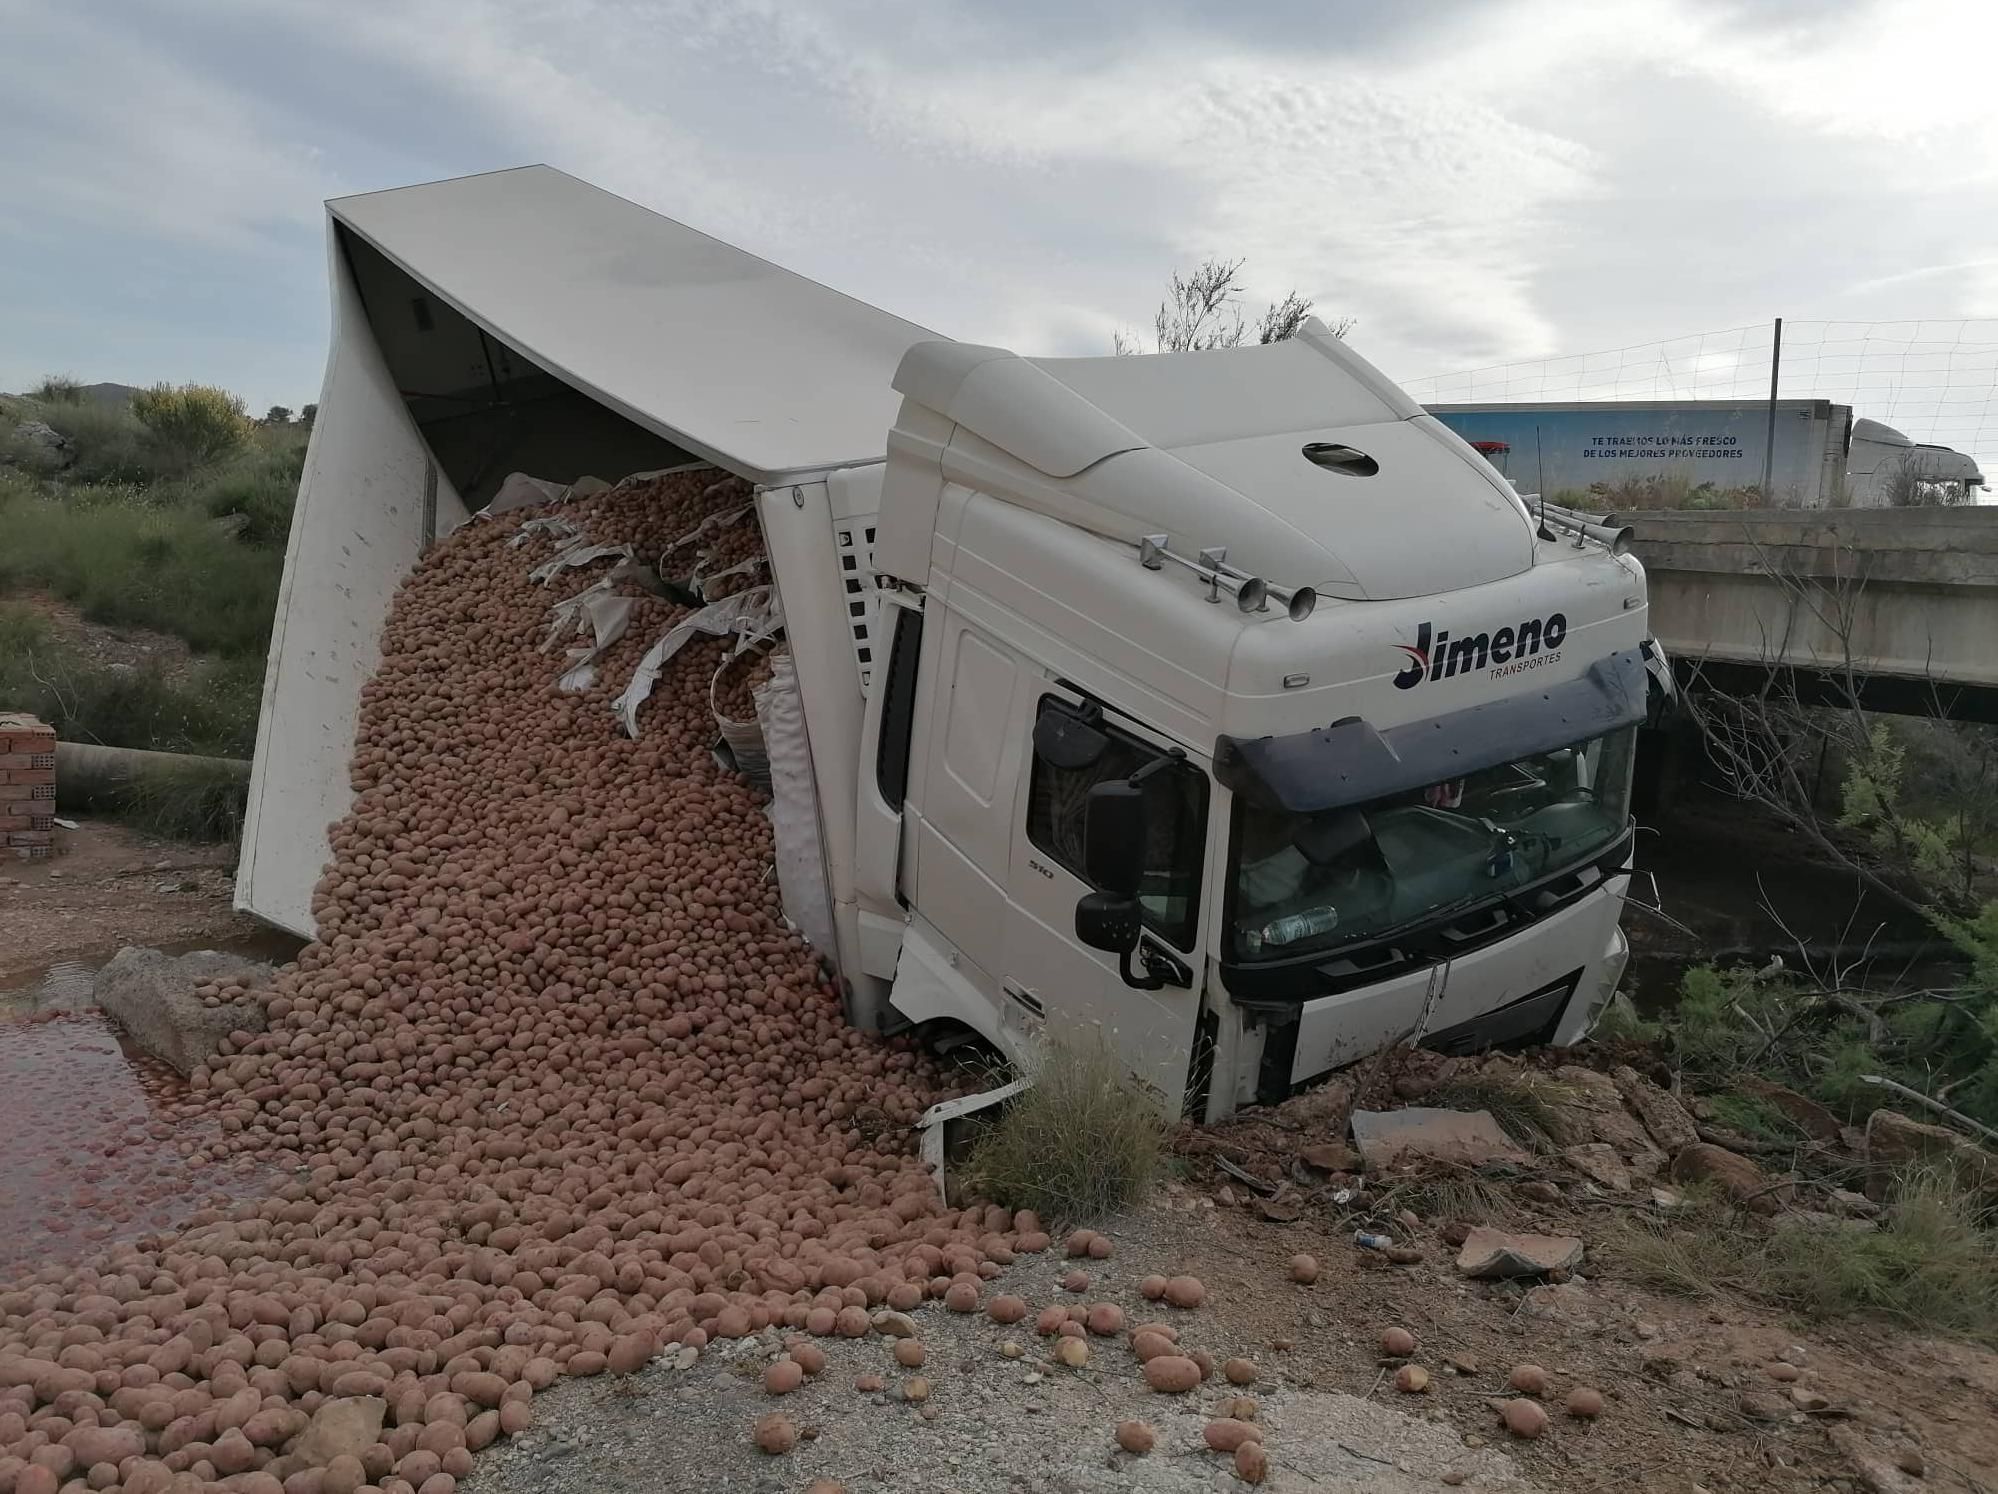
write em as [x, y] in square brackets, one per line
[1474, 181]
[105, 131]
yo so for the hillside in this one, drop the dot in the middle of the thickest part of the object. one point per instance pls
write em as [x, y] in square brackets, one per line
[145, 537]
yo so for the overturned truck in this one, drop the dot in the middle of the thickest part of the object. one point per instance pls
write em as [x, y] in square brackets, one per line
[1224, 704]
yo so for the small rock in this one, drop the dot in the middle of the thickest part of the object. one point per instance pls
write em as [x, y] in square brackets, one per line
[1854, 1205]
[1539, 1190]
[1463, 1362]
[1910, 1461]
[1735, 1175]
[1662, 1115]
[1758, 1407]
[1805, 1113]
[1599, 1163]
[1781, 1371]
[1806, 1399]
[1329, 1156]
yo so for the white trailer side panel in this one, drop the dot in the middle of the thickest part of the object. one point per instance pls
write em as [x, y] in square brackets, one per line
[369, 501]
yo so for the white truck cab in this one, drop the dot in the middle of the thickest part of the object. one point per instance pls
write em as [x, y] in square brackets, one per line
[1222, 705]
[1233, 708]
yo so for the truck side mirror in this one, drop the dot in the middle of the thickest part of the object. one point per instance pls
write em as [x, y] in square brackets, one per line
[1107, 921]
[1113, 836]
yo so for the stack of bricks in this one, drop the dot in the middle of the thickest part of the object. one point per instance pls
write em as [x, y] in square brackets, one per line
[27, 788]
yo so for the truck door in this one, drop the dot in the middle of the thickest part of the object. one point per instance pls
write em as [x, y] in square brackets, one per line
[1067, 986]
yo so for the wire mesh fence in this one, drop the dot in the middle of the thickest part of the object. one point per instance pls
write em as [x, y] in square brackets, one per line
[1936, 381]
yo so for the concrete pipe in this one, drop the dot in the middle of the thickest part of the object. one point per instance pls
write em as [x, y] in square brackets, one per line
[91, 776]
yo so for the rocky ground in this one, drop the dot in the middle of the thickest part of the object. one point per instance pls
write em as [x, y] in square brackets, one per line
[1693, 1397]
[1692, 1400]
[107, 887]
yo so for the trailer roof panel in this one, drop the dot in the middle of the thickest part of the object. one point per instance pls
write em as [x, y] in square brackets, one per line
[758, 369]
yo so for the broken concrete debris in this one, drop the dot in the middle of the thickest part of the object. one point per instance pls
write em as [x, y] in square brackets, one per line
[1490, 1254]
[1461, 1138]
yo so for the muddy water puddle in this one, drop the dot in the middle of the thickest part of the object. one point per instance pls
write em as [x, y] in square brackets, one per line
[95, 1144]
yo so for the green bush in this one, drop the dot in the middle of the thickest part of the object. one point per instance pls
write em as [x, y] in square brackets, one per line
[193, 422]
[211, 709]
[167, 569]
[111, 445]
[59, 389]
[261, 487]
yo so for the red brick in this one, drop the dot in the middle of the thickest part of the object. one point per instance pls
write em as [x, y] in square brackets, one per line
[30, 837]
[30, 775]
[26, 853]
[13, 761]
[45, 792]
[16, 822]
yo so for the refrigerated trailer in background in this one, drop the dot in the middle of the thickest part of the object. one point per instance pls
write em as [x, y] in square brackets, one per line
[1822, 456]
[1222, 704]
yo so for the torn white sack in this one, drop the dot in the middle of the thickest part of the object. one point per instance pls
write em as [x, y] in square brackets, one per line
[745, 614]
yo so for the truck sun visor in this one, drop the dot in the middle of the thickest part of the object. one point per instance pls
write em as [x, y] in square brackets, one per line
[1349, 762]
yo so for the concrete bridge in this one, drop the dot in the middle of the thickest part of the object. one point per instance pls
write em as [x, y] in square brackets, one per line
[1908, 595]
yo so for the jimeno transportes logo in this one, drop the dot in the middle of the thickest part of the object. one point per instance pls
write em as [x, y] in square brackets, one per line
[1438, 656]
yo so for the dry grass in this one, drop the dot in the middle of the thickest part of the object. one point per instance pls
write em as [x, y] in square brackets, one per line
[1082, 1142]
[1522, 1104]
[1470, 1199]
[1932, 1264]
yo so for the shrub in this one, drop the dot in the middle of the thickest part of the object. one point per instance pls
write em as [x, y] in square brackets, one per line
[59, 389]
[210, 710]
[1082, 1142]
[194, 422]
[186, 801]
[111, 445]
[261, 488]
[166, 569]
[1932, 1263]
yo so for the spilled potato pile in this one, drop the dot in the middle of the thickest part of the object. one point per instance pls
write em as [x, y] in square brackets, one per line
[556, 1087]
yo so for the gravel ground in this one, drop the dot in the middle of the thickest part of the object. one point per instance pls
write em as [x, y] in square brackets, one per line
[991, 1425]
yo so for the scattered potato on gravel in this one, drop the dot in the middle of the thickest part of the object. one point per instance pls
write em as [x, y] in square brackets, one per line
[1585, 1402]
[1225, 1434]
[1527, 1379]
[1252, 1464]
[1171, 1374]
[1135, 1437]
[1523, 1418]
[1185, 1291]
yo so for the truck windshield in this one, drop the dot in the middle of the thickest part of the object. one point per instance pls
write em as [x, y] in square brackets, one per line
[1309, 882]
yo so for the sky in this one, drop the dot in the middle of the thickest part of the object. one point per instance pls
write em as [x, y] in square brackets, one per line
[1476, 182]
